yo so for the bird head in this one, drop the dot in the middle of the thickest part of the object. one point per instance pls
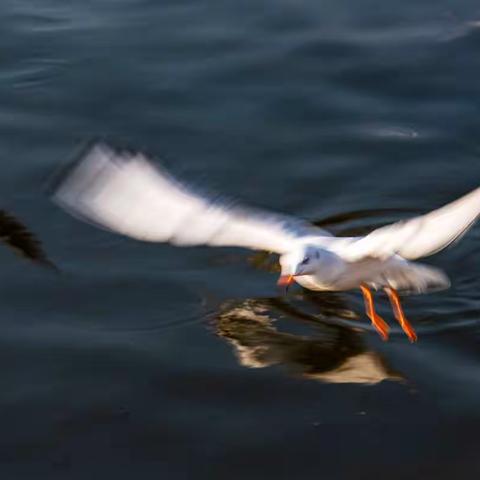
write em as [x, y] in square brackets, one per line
[305, 260]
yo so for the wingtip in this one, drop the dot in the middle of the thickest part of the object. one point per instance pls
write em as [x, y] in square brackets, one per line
[86, 149]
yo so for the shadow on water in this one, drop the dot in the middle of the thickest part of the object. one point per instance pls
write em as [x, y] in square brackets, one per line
[15, 235]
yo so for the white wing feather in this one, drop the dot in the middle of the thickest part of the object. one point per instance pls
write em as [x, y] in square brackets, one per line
[127, 194]
[415, 238]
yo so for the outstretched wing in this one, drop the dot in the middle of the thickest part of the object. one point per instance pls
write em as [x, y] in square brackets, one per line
[14, 234]
[418, 237]
[125, 193]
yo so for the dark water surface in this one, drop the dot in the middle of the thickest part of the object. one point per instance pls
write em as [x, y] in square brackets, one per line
[149, 362]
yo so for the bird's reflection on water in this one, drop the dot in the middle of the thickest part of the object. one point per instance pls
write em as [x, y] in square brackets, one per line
[330, 353]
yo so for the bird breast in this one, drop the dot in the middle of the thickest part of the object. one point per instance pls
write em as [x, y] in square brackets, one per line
[327, 273]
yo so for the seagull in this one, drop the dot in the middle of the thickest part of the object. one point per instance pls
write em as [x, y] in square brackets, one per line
[126, 193]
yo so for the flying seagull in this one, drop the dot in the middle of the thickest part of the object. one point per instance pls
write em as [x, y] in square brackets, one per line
[125, 193]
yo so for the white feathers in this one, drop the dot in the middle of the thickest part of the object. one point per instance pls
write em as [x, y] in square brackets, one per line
[419, 237]
[411, 277]
[128, 195]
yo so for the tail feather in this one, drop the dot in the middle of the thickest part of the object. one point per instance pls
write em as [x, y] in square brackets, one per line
[411, 277]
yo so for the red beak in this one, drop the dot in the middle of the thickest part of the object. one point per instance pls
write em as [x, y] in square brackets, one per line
[285, 280]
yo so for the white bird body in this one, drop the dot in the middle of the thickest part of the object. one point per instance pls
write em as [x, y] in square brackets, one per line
[394, 272]
[127, 194]
[328, 271]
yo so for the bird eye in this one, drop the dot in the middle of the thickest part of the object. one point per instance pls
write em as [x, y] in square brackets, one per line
[305, 261]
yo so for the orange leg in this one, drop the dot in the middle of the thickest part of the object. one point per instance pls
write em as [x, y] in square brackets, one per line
[400, 315]
[377, 321]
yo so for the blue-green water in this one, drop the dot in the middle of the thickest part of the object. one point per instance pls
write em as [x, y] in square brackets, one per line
[136, 361]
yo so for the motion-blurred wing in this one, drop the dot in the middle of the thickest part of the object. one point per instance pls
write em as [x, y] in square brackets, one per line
[418, 237]
[14, 234]
[127, 194]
